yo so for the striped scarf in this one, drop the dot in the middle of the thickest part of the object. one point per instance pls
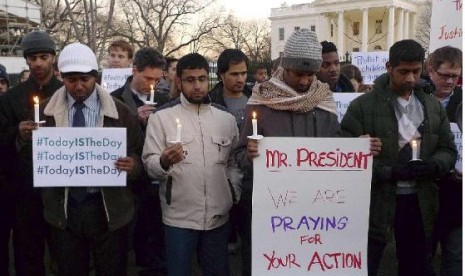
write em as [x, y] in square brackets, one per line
[276, 94]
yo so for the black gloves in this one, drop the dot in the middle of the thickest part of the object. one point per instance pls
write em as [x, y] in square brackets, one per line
[414, 170]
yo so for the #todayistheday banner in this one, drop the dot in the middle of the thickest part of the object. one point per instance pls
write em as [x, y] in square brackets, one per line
[78, 157]
[311, 201]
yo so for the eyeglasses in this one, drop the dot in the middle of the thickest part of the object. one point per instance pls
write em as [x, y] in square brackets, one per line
[446, 77]
[192, 80]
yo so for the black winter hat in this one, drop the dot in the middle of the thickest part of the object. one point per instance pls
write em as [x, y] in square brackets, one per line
[37, 42]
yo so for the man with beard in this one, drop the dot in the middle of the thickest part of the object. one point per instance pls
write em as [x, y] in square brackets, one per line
[15, 126]
[412, 125]
[330, 71]
[199, 166]
[293, 103]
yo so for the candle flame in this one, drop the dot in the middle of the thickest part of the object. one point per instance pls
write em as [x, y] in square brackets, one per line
[254, 115]
[36, 100]
[151, 87]
[414, 143]
[177, 121]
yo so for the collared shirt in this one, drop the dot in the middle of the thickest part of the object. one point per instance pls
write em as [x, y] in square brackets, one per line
[91, 109]
[91, 112]
[445, 101]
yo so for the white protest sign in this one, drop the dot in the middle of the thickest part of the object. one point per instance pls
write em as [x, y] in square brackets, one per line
[342, 103]
[446, 24]
[458, 143]
[78, 157]
[371, 64]
[115, 78]
[311, 200]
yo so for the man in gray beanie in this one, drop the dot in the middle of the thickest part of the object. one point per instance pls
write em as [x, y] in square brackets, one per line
[292, 103]
[15, 128]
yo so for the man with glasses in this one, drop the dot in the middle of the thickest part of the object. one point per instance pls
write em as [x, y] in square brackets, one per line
[418, 147]
[190, 141]
[15, 127]
[444, 69]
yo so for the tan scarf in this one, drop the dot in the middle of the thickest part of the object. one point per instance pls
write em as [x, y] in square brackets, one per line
[276, 94]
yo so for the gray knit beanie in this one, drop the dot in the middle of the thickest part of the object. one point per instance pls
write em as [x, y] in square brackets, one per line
[37, 42]
[302, 52]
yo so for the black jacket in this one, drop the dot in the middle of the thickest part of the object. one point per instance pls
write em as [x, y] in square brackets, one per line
[17, 106]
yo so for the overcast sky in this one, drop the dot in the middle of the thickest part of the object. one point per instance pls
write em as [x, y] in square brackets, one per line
[256, 8]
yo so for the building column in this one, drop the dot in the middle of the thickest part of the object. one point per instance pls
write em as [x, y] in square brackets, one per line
[400, 25]
[390, 34]
[406, 25]
[413, 25]
[365, 30]
[340, 33]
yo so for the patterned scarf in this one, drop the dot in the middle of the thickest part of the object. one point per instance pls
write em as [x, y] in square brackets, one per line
[276, 94]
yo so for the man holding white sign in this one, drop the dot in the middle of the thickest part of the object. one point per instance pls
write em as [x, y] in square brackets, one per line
[85, 220]
[293, 103]
[417, 147]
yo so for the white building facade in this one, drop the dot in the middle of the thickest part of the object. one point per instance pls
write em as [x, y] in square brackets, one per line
[353, 25]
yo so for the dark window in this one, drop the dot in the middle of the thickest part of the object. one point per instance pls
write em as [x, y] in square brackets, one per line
[281, 33]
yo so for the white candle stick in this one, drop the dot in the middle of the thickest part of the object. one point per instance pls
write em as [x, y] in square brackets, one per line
[414, 150]
[254, 124]
[36, 109]
[178, 130]
[152, 94]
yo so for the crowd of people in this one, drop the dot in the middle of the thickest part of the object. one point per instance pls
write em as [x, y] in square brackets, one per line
[191, 194]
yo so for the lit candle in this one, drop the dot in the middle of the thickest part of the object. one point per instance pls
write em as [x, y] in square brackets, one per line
[36, 109]
[178, 130]
[152, 94]
[414, 150]
[254, 124]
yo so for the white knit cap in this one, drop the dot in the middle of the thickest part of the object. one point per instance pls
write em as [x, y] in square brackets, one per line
[302, 52]
[77, 57]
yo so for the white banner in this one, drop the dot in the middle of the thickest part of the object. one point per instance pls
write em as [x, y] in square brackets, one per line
[342, 103]
[115, 78]
[78, 157]
[446, 24]
[371, 64]
[311, 202]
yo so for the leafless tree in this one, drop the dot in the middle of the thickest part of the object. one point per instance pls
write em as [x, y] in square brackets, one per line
[423, 26]
[167, 25]
[86, 21]
[250, 36]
